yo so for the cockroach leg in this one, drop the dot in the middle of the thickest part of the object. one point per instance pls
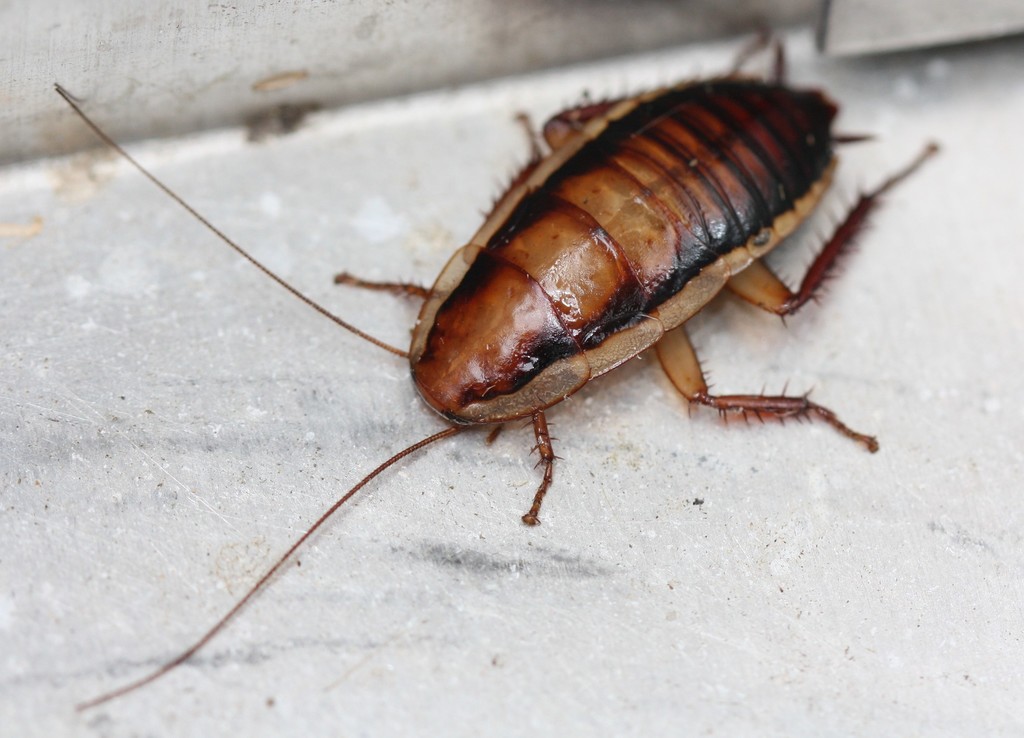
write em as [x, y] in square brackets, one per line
[547, 458]
[532, 137]
[404, 289]
[778, 75]
[749, 50]
[493, 435]
[680, 362]
[763, 40]
[759, 286]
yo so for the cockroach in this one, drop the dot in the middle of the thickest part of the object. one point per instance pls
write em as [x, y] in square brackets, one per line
[643, 210]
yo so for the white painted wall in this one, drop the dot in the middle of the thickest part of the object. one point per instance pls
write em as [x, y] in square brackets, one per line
[161, 67]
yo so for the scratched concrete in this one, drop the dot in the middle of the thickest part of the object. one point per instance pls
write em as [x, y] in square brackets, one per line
[169, 422]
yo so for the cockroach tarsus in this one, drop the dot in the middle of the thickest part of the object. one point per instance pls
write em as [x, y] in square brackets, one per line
[642, 211]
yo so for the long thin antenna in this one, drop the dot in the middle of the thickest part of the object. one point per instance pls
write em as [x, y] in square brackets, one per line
[261, 583]
[70, 100]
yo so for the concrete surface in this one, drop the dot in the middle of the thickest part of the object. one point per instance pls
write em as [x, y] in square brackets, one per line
[169, 67]
[872, 26]
[170, 421]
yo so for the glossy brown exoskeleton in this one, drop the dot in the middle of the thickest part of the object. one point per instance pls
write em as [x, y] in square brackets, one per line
[645, 209]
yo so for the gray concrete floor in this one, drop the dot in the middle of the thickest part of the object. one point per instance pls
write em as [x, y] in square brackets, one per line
[170, 422]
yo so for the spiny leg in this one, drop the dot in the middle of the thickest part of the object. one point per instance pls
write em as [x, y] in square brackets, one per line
[680, 362]
[758, 285]
[405, 289]
[532, 137]
[520, 177]
[547, 458]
